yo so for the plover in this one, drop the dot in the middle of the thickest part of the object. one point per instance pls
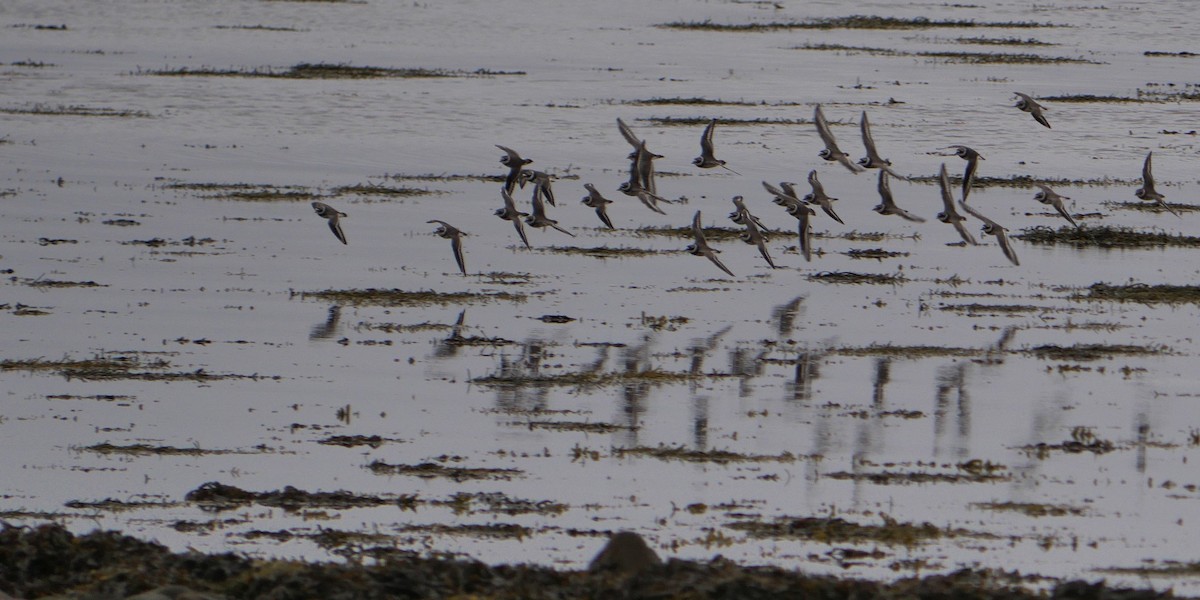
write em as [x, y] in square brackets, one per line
[595, 200]
[541, 184]
[333, 216]
[831, 151]
[1049, 197]
[949, 214]
[510, 213]
[888, 204]
[700, 247]
[539, 219]
[1147, 191]
[1031, 106]
[972, 157]
[754, 231]
[819, 197]
[515, 163]
[872, 160]
[991, 227]
[707, 158]
[453, 234]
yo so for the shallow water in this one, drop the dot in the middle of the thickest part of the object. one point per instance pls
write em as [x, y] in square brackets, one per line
[784, 366]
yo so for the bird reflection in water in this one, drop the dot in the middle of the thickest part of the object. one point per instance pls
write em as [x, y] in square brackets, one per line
[745, 364]
[952, 389]
[634, 359]
[995, 353]
[701, 348]
[597, 365]
[522, 398]
[699, 351]
[806, 370]
[883, 375]
[785, 316]
[327, 328]
[870, 430]
[1142, 426]
[449, 346]
[700, 423]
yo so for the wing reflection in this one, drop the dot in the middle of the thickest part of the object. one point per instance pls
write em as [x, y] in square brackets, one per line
[327, 329]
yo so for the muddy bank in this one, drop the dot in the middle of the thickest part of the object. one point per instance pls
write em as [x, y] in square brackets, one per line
[50, 561]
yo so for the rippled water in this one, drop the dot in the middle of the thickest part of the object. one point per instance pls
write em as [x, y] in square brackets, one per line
[780, 365]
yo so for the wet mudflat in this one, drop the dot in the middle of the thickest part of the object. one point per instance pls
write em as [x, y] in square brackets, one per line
[192, 357]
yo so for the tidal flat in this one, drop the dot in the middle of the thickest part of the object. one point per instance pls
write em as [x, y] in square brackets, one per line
[194, 358]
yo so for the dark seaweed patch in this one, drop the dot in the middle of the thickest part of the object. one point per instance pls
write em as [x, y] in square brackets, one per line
[856, 278]
[693, 101]
[906, 351]
[218, 496]
[251, 192]
[602, 251]
[148, 450]
[118, 367]
[353, 441]
[836, 530]
[578, 426]
[1031, 509]
[590, 379]
[1086, 352]
[685, 454]
[1184, 53]
[258, 27]
[994, 309]
[397, 297]
[1083, 439]
[430, 470]
[75, 111]
[1094, 99]
[52, 283]
[693, 121]
[326, 71]
[874, 253]
[1143, 293]
[973, 58]
[1007, 41]
[850, 22]
[1105, 237]
[380, 190]
[922, 477]
[710, 233]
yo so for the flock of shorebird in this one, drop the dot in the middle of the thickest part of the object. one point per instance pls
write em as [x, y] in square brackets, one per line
[641, 184]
